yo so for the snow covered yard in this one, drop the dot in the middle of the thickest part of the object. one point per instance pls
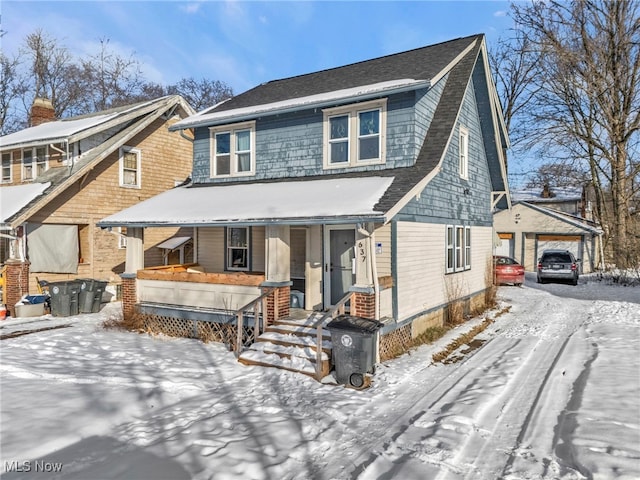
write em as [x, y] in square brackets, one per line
[552, 393]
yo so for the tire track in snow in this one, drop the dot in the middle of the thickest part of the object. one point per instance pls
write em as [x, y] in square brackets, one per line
[469, 422]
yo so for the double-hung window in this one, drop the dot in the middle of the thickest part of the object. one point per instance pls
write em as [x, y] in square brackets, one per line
[238, 248]
[458, 248]
[34, 162]
[354, 134]
[130, 167]
[6, 167]
[233, 151]
[27, 164]
[463, 147]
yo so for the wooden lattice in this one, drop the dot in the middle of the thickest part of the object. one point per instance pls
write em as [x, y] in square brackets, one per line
[205, 331]
[395, 343]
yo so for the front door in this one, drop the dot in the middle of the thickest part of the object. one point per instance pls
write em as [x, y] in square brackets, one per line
[339, 255]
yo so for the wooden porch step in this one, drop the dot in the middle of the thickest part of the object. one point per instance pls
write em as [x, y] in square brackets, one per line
[287, 357]
[299, 330]
[286, 339]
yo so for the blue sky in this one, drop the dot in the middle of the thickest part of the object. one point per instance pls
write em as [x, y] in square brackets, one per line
[246, 43]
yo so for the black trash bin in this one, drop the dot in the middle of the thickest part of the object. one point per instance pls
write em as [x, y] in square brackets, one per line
[90, 296]
[354, 342]
[64, 298]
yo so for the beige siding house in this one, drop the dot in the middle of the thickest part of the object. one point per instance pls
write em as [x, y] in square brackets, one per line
[59, 177]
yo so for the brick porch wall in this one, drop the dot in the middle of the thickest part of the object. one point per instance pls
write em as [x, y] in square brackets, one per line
[282, 296]
[16, 283]
[129, 295]
[363, 305]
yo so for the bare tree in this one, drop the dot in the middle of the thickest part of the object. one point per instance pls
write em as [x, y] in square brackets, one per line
[588, 102]
[515, 69]
[113, 79]
[12, 88]
[49, 64]
[202, 93]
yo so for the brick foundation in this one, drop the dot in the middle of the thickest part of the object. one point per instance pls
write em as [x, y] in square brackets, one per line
[16, 283]
[363, 305]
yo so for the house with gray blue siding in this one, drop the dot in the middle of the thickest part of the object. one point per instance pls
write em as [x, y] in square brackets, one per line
[368, 187]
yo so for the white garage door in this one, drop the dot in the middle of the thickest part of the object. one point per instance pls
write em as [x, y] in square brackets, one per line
[560, 242]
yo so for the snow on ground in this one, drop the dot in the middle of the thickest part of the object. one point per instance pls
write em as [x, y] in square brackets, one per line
[553, 393]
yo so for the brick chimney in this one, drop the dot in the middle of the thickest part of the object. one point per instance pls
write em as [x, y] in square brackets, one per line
[42, 111]
[546, 191]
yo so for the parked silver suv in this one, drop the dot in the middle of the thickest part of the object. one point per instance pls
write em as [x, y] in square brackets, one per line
[558, 265]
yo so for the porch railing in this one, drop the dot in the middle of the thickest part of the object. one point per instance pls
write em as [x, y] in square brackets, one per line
[258, 307]
[333, 312]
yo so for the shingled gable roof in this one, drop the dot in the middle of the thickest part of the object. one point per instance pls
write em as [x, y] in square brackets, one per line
[421, 65]
[461, 58]
[134, 119]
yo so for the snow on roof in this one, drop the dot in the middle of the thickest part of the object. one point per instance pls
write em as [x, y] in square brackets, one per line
[60, 130]
[535, 194]
[53, 131]
[16, 197]
[257, 202]
[204, 118]
[174, 242]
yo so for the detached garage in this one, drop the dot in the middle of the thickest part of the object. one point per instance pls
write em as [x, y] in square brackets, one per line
[528, 230]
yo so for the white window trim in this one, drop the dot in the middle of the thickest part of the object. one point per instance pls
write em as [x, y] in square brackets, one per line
[232, 129]
[462, 251]
[463, 153]
[450, 247]
[10, 179]
[229, 267]
[35, 162]
[467, 248]
[138, 154]
[352, 111]
[122, 237]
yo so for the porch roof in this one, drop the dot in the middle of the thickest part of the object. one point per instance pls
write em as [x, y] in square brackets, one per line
[341, 200]
[15, 197]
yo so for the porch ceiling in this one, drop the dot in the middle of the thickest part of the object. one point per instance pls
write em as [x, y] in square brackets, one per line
[338, 200]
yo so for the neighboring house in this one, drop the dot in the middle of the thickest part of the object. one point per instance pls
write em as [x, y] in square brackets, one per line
[373, 182]
[59, 177]
[572, 200]
[527, 229]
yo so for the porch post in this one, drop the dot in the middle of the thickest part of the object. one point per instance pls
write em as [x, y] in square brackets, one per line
[278, 270]
[364, 290]
[135, 250]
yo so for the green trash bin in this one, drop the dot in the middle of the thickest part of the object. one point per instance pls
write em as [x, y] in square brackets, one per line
[64, 298]
[90, 296]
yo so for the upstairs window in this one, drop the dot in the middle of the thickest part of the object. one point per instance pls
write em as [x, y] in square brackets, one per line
[354, 135]
[130, 160]
[463, 164]
[6, 167]
[34, 162]
[233, 151]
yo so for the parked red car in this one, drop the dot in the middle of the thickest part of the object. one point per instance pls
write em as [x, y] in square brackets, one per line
[507, 270]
